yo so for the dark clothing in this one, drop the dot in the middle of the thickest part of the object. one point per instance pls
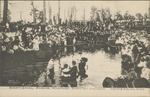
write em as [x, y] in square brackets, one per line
[16, 41]
[82, 70]
[135, 50]
[81, 65]
[23, 36]
[73, 73]
[148, 49]
[51, 75]
[65, 78]
[65, 81]
[43, 28]
[126, 65]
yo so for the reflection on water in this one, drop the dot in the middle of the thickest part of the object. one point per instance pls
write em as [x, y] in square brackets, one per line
[102, 62]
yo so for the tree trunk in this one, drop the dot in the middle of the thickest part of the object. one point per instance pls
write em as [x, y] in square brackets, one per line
[5, 12]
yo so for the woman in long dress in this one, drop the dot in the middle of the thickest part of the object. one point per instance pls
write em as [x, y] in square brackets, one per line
[36, 43]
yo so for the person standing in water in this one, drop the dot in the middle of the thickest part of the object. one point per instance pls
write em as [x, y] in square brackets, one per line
[73, 73]
[65, 76]
[82, 71]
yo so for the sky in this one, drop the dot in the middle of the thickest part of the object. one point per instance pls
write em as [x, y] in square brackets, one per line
[24, 7]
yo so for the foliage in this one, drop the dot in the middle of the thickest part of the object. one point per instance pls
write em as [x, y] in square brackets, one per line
[139, 16]
[93, 12]
[118, 16]
[8, 15]
[39, 15]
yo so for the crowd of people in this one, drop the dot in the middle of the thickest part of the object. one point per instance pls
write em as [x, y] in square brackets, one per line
[134, 47]
[28, 36]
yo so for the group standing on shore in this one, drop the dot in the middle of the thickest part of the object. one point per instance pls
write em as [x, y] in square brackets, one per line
[26, 37]
[135, 64]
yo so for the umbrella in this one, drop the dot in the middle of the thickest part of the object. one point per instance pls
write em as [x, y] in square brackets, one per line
[141, 83]
[108, 82]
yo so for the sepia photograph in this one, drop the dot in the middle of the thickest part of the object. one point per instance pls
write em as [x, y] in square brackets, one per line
[75, 44]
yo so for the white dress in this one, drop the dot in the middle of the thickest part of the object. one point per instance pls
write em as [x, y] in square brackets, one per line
[65, 42]
[146, 73]
[74, 40]
[35, 44]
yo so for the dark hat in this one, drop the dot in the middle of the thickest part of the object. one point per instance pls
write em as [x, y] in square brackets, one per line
[65, 65]
[80, 52]
[73, 62]
[84, 59]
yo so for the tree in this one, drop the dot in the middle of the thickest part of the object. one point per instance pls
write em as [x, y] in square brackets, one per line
[118, 16]
[72, 13]
[97, 16]
[107, 14]
[34, 12]
[145, 16]
[8, 15]
[54, 20]
[126, 15]
[5, 13]
[132, 17]
[39, 15]
[93, 12]
[139, 16]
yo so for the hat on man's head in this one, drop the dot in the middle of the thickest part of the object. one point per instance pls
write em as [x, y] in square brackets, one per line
[80, 52]
[73, 62]
[84, 59]
[65, 65]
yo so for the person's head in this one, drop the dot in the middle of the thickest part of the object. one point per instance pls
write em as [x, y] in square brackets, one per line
[66, 66]
[10, 38]
[142, 59]
[80, 53]
[84, 60]
[147, 58]
[73, 62]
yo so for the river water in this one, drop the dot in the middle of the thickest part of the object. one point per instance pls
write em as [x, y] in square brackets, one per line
[102, 62]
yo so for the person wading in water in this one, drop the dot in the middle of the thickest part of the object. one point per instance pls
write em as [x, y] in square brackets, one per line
[73, 72]
[82, 71]
[65, 76]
